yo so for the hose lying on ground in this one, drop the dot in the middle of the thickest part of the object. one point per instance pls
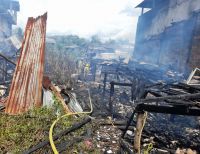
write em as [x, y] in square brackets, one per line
[66, 115]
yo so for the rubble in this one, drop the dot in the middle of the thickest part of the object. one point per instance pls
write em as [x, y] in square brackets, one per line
[137, 106]
[107, 135]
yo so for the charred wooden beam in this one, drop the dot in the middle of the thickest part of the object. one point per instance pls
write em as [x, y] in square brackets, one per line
[104, 83]
[112, 90]
[56, 137]
[7, 59]
[175, 101]
[128, 123]
[187, 87]
[154, 85]
[121, 84]
[173, 92]
[169, 109]
[143, 95]
[157, 99]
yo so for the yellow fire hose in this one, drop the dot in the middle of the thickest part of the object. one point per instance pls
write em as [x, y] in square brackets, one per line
[68, 114]
[149, 148]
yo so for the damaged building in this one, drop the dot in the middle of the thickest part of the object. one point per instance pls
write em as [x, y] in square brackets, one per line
[109, 105]
[8, 17]
[168, 34]
[9, 43]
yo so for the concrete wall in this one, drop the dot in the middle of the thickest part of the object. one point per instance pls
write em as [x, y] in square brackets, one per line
[177, 11]
[165, 35]
[194, 58]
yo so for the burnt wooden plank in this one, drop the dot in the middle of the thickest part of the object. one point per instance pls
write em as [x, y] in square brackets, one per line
[169, 109]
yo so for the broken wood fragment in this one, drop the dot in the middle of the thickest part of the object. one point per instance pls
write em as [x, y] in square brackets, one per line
[184, 96]
[141, 119]
[183, 110]
[60, 98]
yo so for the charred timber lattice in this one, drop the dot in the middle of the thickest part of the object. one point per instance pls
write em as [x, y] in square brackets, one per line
[185, 103]
[183, 109]
[112, 90]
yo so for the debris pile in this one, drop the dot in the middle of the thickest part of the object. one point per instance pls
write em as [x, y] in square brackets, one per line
[108, 107]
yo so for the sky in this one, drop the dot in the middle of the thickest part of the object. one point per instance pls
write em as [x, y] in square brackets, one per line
[109, 19]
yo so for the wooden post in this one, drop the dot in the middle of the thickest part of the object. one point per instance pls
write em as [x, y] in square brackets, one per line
[112, 90]
[94, 72]
[1, 71]
[132, 92]
[104, 83]
[141, 119]
[6, 71]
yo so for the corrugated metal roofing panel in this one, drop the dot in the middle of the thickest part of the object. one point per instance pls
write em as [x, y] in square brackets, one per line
[26, 87]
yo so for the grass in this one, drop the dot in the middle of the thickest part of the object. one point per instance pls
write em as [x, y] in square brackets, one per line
[23, 131]
[19, 133]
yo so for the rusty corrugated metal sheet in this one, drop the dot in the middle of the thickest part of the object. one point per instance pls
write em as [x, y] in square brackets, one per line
[26, 87]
